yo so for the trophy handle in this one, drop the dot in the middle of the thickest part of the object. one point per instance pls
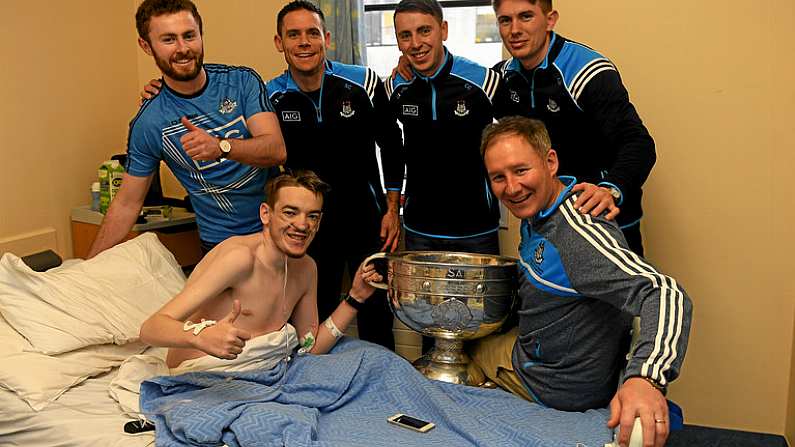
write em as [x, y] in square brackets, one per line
[377, 285]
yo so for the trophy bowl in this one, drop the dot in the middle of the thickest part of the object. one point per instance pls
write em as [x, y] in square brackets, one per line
[452, 297]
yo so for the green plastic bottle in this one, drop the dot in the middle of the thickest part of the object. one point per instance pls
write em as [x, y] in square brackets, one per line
[104, 186]
[116, 173]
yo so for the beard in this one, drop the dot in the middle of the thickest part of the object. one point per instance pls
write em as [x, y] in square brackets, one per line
[169, 70]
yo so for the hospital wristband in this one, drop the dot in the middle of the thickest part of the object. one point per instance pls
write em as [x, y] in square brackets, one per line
[197, 327]
[335, 332]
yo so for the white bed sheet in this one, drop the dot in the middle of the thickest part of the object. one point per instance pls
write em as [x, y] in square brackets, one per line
[84, 416]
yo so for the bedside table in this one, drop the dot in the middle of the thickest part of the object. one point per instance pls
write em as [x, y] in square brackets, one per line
[178, 233]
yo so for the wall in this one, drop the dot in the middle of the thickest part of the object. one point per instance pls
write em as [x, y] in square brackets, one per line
[790, 418]
[719, 107]
[711, 79]
[68, 92]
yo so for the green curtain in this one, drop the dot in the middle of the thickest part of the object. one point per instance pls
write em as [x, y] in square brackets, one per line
[345, 21]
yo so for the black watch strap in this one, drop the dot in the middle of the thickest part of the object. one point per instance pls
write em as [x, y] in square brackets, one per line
[353, 302]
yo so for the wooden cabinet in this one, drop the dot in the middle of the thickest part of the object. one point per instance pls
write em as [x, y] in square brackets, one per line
[179, 234]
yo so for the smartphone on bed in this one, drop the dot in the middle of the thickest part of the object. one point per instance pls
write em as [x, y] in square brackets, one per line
[411, 423]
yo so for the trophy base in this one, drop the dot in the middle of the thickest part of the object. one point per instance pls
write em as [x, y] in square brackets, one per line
[447, 362]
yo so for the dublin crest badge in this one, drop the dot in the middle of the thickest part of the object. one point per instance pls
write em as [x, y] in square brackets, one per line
[347, 111]
[227, 106]
[461, 108]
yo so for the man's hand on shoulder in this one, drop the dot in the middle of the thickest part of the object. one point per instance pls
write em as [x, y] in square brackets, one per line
[594, 200]
[403, 69]
[151, 89]
[224, 340]
[639, 398]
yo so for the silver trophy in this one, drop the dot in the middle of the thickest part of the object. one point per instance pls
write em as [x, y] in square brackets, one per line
[452, 297]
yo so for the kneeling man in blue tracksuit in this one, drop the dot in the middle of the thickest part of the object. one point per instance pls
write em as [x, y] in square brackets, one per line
[579, 287]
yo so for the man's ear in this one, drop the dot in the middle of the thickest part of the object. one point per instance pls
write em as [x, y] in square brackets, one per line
[145, 46]
[264, 213]
[328, 39]
[552, 162]
[444, 30]
[552, 19]
[277, 41]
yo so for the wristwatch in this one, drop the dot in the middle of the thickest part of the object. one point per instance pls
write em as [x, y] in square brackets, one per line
[225, 147]
[353, 302]
[657, 385]
[615, 193]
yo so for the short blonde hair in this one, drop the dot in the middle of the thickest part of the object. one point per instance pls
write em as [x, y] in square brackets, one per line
[534, 132]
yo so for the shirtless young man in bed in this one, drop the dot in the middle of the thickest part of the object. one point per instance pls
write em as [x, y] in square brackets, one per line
[250, 286]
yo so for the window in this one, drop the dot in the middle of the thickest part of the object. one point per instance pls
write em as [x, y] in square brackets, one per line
[472, 33]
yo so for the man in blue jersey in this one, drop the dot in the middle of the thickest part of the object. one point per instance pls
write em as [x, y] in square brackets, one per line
[578, 282]
[211, 125]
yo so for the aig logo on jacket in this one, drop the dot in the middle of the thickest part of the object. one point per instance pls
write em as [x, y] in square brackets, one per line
[411, 110]
[290, 115]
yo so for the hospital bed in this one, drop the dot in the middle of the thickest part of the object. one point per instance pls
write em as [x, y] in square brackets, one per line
[64, 332]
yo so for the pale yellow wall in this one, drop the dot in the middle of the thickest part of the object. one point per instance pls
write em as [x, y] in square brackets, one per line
[68, 83]
[712, 80]
[719, 107]
[790, 428]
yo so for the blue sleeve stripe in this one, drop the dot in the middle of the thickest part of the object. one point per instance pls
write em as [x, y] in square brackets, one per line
[276, 85]
[484, 78]
[579, 64]
[471, 71]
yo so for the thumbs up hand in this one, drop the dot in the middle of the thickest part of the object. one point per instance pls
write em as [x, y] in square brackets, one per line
[198, 144]
[224, 340]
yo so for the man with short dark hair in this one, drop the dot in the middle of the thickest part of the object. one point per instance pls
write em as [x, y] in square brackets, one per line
[332, 115]
[252, 299]
[579, 95]
[211, 125]
[443, 107]
[578, 283]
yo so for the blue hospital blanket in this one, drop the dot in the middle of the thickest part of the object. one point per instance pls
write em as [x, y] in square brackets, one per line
[343, 399]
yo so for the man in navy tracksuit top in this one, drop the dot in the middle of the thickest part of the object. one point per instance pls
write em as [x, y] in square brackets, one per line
[443, 109]
[579, 96]
[578, 284]
[331, 116]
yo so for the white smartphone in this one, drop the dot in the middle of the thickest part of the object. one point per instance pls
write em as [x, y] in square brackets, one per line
[411, 423]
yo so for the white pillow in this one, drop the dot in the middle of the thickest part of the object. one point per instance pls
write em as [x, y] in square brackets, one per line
[39, 379]
[102, 300]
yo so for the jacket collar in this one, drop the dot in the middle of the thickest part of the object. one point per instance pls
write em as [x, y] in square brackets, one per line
[568, 183]
[292, 85]
[443, 69]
